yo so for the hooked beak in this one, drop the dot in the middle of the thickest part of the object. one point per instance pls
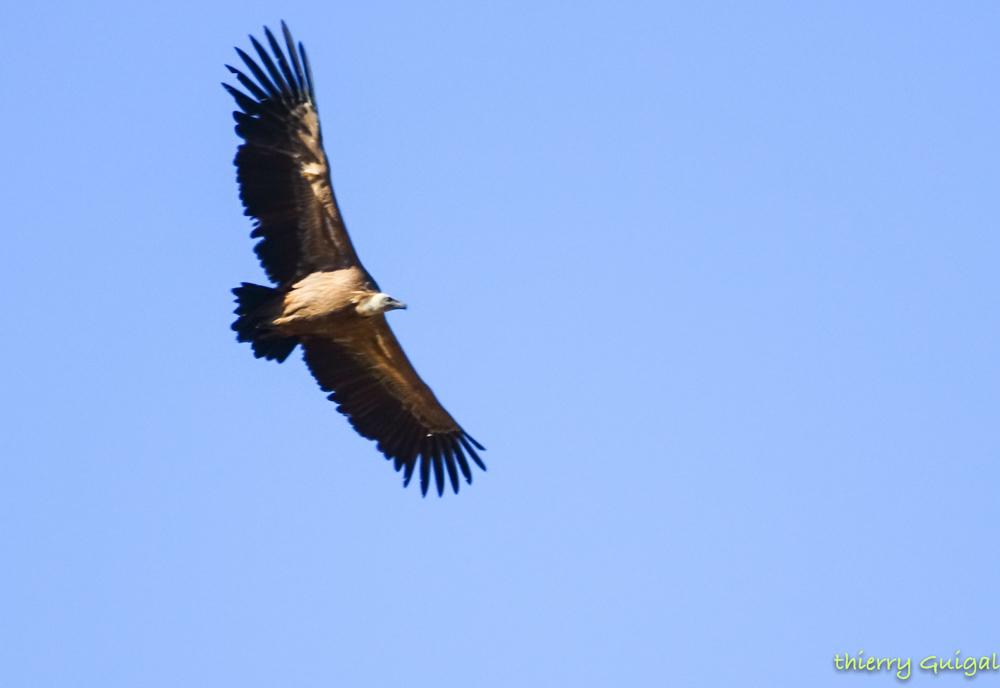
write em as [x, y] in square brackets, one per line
[397, 304]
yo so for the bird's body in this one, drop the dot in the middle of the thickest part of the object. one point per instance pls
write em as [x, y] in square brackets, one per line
[324, 299]
[321, 303]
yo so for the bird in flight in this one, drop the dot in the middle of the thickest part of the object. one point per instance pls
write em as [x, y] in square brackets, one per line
[324, 299]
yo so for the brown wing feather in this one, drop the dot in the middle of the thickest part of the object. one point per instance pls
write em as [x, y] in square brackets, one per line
[374, 385]
[282, 168]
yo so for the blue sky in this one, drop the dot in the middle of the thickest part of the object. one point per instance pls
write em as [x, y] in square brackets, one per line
[715, 283]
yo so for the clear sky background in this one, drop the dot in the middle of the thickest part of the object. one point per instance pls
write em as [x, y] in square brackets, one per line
[715, 283]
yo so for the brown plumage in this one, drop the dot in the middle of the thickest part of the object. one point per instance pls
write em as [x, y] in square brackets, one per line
[324, 299]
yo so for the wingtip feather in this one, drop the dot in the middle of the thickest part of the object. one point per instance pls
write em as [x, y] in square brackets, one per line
[463, 464]
[472, 452]
[425, 472]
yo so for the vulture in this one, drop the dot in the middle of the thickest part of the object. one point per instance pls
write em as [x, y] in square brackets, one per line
[323, 299]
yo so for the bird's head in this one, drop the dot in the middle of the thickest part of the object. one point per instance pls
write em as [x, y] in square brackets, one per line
[378, 303]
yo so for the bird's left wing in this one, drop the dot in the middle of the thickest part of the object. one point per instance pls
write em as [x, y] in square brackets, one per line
[282, 169]
[374, 385]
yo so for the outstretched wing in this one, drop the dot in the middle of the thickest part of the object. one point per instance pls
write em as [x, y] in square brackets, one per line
[282, 169]
[374, 385]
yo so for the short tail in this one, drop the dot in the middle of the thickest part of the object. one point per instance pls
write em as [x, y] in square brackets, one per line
[251, 325]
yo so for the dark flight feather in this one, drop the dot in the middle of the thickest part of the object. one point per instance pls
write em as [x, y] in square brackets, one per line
[271, 69]
[280, 56]
[248, 84]
[259, 74]
[309, 76]
[463, 464]
[290, 45]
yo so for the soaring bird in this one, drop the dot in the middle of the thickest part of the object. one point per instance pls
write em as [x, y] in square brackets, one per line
[324, 299]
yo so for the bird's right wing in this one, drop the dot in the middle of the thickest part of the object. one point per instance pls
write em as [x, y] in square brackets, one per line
[374, 385]
[282, 168]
